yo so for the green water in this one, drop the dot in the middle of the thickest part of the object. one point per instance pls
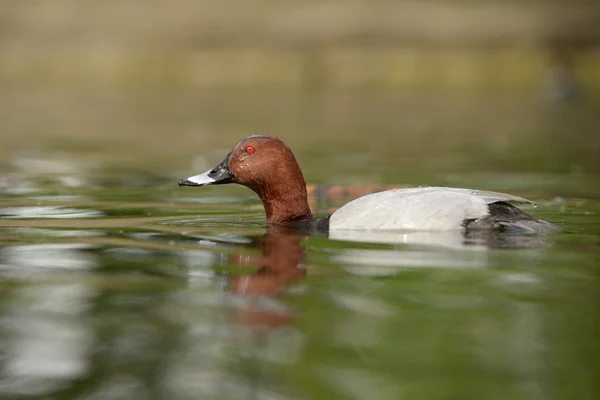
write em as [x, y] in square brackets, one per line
[118, 284]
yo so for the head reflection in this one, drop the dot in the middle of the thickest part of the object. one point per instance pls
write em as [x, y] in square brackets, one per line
[278, 266]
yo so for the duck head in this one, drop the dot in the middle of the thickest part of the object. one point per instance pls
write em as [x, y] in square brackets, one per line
[268, 167]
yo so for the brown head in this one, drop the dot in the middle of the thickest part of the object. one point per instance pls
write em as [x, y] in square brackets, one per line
[268, 167]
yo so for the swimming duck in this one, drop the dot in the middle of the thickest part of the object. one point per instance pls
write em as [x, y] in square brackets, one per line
[268, 167]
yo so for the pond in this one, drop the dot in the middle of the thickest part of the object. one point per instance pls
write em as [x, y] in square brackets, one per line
[117, 284]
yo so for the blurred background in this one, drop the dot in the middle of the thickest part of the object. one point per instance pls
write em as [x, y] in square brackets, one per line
[418, 92]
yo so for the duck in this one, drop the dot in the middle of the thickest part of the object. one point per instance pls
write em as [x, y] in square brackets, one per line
[268, 167]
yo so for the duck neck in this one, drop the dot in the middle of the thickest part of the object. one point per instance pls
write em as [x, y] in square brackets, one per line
[285, 202]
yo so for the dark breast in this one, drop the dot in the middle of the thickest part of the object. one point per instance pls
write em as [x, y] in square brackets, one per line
[311, 225]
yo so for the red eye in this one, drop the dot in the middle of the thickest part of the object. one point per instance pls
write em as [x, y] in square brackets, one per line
[250, 149]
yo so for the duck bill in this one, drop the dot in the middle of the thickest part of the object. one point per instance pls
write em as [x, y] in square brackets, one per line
[219, 175]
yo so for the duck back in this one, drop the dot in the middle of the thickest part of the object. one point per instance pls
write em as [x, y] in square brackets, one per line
[432, 208]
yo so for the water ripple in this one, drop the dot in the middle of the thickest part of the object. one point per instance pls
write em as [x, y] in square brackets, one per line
[48, 212]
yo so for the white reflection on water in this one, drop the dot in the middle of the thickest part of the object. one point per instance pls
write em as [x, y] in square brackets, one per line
[47, 339]
[219, 358]
[450, 239]
[132, 254]
[56, 232]
[24, 261]
[388, 262]
[38, 162]
[72, 181]
[48, 212]
[198, 263]
[16, 184]
[454, 239]
[425, 249]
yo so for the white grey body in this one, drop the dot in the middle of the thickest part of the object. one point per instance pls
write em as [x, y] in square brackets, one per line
[430, 208]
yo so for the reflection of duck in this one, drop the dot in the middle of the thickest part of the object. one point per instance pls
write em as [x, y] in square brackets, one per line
[426, 249]
[278, 266]
[282, 254]
[450, 239]
[268, 167]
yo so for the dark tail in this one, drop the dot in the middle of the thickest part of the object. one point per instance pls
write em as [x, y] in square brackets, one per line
[507, 217]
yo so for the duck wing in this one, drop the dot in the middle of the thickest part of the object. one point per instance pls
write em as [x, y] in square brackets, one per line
[493, 197]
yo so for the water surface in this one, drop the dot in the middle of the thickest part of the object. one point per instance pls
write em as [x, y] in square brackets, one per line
[118, 284]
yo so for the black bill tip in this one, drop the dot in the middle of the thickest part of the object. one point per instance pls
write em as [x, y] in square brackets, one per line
[186, 182]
